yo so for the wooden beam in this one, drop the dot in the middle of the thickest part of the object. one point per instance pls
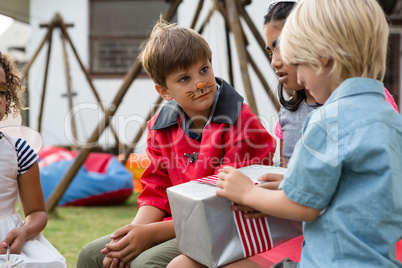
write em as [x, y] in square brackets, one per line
[237, 30]
[254, 30]
[49, 49]
[197, 14]
[69, 91]
[268, 90]
[63, 26]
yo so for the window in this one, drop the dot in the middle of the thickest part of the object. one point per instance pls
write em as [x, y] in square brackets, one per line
[117, 29]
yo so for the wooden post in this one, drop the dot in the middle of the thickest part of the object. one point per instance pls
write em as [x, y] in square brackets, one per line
[58, 192]
[230, 60]
[49, 49]
[206, 20]
[57, 21]
[69, 91]
[197, 14]
[235, 24]
[254, 30]
[28, 65]
[271, 95]
[65, 34]
[228, 43]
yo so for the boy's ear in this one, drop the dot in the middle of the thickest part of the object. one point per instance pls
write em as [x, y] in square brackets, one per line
[163, 92]
[325, 61]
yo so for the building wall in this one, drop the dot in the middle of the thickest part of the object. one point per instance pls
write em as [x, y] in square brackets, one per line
[139, 99]
[14, 37]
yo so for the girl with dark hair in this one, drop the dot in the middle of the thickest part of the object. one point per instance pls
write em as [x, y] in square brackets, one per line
[300, 103]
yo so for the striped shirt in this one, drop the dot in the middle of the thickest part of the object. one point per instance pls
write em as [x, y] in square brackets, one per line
[26, 156]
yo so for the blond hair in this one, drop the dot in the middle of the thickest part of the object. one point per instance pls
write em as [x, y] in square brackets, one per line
[351, 33]
[170, 48]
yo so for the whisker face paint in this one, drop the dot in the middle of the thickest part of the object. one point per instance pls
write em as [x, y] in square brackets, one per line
[200, 88]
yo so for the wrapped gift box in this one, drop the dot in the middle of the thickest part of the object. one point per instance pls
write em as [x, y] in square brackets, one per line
[205, 227]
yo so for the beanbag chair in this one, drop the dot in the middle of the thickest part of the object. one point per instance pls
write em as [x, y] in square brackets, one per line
[101, 180]
[136, 164]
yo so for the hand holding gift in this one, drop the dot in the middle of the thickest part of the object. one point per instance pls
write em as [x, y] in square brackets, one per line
[233, 185]
[211, 232]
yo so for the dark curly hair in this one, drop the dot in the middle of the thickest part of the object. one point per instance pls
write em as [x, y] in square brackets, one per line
[15, 85]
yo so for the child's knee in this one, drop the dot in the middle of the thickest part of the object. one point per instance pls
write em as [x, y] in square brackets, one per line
[90, 255]
[145, 260]
[83, 255]
[158, 256]
[87, 258]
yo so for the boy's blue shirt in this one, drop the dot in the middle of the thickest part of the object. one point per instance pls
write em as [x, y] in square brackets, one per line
[349, 163]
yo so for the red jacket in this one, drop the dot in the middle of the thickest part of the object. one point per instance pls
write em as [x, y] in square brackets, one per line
[234, 137]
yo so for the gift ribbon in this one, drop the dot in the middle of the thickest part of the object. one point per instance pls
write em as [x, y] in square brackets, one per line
[254, 233]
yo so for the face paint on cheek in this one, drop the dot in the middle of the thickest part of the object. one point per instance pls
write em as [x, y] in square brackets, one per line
[210, 84]
[190, 94]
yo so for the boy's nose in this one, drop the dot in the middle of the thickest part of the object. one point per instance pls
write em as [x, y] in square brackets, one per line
[200, 85]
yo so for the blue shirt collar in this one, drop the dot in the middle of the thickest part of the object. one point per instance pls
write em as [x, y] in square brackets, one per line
[355, 86]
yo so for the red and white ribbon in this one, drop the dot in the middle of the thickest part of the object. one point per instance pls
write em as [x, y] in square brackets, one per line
[213, 179]
[254, 233]
[209, 180]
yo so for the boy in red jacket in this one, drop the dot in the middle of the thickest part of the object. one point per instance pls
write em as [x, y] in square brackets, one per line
[203, 125]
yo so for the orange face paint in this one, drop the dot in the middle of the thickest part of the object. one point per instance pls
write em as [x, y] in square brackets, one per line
[200, 88]
[200, 85]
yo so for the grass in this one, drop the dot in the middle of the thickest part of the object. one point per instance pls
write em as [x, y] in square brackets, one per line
[71, 228]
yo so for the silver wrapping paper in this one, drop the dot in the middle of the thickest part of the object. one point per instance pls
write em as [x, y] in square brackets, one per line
[204, 224]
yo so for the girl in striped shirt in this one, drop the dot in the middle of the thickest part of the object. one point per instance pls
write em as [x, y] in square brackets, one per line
[19, 176]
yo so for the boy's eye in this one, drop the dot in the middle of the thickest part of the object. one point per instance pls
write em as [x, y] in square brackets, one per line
[294, 65]
[184, 79]
[204, 70]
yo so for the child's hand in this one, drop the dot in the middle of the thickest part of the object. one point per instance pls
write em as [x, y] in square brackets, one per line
[16, 239]
[233, 185]
[112, 262]
[251, 213]
[3, 247]
[270, 180]
[133, 240]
